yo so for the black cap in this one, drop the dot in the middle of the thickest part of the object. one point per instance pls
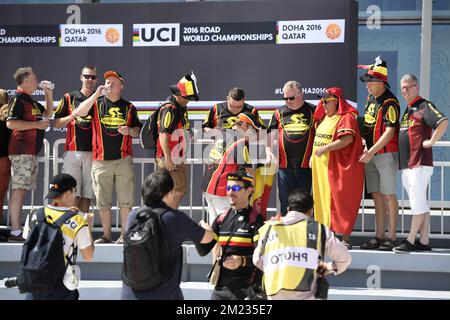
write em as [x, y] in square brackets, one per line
[59, 184]
[242, 176]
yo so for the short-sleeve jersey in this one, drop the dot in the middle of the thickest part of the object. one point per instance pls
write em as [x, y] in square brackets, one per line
[295, 135]
[418, 122]
[173, 119]
[219, 116]
[23, 107]
[107, 116]
[79, 131]
[381, 113]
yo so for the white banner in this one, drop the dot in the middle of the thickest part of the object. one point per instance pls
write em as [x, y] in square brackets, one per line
[311, 31]
[156, 35]
[91, 35]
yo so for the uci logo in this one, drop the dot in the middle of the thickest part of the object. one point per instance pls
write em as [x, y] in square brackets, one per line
[162, 34]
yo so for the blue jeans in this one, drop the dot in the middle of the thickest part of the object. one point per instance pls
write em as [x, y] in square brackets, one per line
[290, 179]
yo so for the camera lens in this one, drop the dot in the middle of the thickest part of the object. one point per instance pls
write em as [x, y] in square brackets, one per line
[10, 282]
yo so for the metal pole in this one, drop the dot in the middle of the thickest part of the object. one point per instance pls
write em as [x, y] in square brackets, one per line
[425, 46]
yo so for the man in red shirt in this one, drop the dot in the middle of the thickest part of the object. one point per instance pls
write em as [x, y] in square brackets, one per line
[114, 124]
[28, 119]
[416, 138]
[174, 133]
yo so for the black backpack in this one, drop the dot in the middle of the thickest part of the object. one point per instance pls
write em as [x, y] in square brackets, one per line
[146, 252]
[42, 265]
[149, 132]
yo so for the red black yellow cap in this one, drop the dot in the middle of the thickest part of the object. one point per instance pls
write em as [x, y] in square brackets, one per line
[186, 87]
[376, 72]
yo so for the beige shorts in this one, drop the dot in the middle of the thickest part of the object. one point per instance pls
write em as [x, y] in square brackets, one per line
[179, 175]
[24, 169]
[415, 181]
[381, 173]
[110, 174]
[79, 165]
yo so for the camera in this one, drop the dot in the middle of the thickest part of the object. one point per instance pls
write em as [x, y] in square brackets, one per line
[10, 282]
[322, 288]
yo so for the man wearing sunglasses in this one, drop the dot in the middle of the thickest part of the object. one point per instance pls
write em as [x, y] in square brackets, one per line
[78, 146]
[294, 122]
[235, 230]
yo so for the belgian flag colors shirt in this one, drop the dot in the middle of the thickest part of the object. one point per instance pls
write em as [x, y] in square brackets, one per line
[227, 155]
[237, 236]
[79, 131]
[295, 135]
[23, 107]
[173, 119]
[107, 116]
[418, 122]
[219, 116]
[381, 113]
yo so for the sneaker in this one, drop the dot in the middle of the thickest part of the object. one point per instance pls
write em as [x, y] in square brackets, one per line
[405, 247]
[102, 240]
[119, 240]
[422, 247]
[13, 238]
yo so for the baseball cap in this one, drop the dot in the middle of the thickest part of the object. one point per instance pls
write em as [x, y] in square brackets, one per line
[59, 184]
[114, 74]
[242, 176]
[250, 119]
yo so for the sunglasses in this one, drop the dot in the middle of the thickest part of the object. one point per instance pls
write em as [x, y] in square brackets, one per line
[324, 101]
[88, 76]
[235, 188]
[289, 98]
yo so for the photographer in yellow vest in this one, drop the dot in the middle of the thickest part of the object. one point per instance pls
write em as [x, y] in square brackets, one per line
[289, 251]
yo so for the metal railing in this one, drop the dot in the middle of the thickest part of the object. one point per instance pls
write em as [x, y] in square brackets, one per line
[439, 208]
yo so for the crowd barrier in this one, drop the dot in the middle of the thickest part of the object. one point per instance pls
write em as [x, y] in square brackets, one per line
[440, 208]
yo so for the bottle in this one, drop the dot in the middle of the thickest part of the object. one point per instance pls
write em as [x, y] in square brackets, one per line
[46, 84]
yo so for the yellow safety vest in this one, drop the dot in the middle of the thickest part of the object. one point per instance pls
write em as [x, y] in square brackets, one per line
[69, 229]
[291, 255]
